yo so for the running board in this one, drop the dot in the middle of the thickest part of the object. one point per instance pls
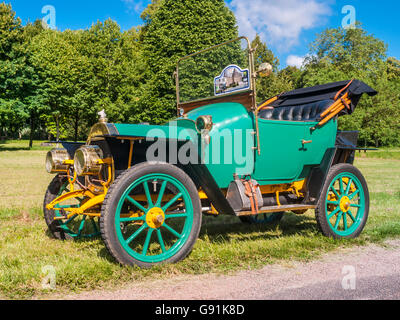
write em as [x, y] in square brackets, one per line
[293, 207]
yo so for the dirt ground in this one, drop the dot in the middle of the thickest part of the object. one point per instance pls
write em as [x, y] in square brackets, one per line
[371, 272]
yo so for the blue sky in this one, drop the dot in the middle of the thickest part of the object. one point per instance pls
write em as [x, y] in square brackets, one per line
[288, 26]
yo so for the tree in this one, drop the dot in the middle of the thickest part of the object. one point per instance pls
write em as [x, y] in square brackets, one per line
[353, 52]
[29, 79]
[11, 31]
[175, 29]
[263, 54]
[18, 80]
[11, 35]
[344, 54]
[393, 70]
[117, 68]
[82, 72]
[53, 58]
[147, 16]
[13, 115]
[280, 80]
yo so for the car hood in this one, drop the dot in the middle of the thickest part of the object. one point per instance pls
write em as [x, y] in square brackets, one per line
[224, 115]
[179, 129]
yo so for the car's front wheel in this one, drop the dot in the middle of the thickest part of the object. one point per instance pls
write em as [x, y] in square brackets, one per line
[151, 215]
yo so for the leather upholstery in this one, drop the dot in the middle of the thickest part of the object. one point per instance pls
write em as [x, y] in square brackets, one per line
[307, 112]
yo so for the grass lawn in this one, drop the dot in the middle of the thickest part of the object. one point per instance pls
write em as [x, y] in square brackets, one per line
[225, 244]
[381, 154]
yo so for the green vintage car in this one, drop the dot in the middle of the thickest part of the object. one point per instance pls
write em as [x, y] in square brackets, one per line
[144, 188]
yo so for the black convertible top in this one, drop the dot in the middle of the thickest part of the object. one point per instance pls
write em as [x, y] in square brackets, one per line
[331, 91]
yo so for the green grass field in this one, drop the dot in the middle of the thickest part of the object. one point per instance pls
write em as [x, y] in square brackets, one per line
[225, 244]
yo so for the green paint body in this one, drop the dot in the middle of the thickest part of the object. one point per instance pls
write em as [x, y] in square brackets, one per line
[232, 140]
[283, 159]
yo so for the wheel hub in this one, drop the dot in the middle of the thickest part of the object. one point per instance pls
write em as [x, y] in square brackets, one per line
[155, 218]
[344, 204]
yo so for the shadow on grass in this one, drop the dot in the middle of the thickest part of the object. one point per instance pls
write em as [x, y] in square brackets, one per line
[84, 239]
[19, 148]
[103, 252]
[225, 229]
[233, 228]
[13, 145]
[14, 149]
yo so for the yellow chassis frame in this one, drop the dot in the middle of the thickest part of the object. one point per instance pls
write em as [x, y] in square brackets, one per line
[96, 198]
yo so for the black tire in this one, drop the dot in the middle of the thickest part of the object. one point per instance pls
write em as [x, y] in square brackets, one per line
[263, 218]
[342, 205]
[115, 194]
[69, 230]
[52, 193]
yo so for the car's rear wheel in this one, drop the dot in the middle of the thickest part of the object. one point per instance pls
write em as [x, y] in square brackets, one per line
[343, 207]
[151, 215]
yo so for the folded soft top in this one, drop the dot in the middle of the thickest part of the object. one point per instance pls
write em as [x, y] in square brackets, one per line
[331, 91]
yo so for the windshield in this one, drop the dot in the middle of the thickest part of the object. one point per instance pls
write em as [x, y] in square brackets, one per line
[220, 70]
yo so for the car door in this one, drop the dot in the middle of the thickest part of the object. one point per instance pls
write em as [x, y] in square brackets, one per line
[282, 151]
[317, 141]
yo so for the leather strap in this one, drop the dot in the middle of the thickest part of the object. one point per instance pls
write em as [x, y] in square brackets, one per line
[252, 194]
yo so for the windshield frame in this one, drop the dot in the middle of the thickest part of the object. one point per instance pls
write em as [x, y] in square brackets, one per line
[251, 91]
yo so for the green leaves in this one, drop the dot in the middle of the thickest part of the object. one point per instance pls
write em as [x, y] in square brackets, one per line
[85, 71]
[62, 79]
[57, 81]
[10, 31]
[340, 54]
[174, 29]
[278, 81]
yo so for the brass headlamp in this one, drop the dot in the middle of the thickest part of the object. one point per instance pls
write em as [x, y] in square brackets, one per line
[87, 160]
[55, 160]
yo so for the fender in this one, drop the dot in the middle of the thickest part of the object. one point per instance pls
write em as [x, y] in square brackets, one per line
[203, 178]
[198, 172]
[317, 177]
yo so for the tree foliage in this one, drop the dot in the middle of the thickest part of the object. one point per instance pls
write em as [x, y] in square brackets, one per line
[344, 54]
[174, 30]
[53, 83]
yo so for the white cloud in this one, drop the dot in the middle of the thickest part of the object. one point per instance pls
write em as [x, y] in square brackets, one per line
[135, 6]
[295, 61]
[279, 22]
